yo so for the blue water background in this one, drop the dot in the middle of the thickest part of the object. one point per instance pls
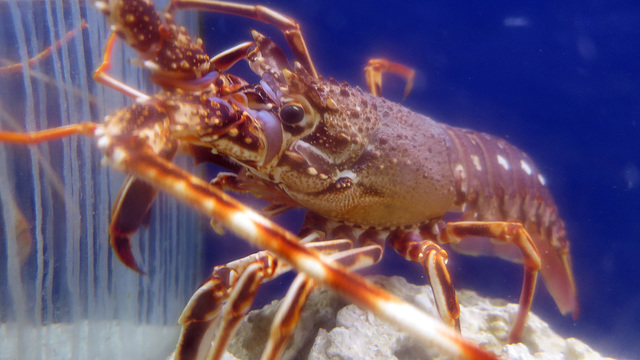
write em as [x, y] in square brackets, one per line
[558, 79]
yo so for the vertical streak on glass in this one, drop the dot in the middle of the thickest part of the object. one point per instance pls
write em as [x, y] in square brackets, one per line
[72, 295]
[89, 159]
[60, 60]
[19, 300]
[9, 217]
[168, 281]
[101, 279]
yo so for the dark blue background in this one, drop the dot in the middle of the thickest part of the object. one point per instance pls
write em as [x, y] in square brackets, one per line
[559, 80]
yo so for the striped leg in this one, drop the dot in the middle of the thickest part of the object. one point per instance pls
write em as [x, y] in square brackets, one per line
[285, 321]
[288, 315]
[507, 232]
[219, 305]
[433, 257]
[102, 76]
[376, 67]
[245, 182]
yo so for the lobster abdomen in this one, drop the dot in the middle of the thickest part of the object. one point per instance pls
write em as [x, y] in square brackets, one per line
[496, 181]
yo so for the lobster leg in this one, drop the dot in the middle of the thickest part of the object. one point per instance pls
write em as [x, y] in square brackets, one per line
[230, 291]
[285, 321]
[101, 75]
[245, 182]
[508, 232]
[198, 317]
[433, 258]
[238, 304]
[288, 315]
[376, 67]
[287, 25]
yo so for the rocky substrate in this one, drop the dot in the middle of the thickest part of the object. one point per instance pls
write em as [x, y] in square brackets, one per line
[331, 329]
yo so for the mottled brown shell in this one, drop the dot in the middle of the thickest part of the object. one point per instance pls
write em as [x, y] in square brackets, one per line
[381, 165]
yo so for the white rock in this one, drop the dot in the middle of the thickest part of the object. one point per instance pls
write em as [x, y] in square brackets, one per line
[330, 330]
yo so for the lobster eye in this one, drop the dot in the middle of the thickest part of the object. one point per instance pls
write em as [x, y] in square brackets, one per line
[291, 114]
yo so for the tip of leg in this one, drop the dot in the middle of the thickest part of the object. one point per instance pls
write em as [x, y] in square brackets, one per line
[121, 245]
[515, 336]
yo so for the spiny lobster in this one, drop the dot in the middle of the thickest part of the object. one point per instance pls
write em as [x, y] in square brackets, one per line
[368, 171]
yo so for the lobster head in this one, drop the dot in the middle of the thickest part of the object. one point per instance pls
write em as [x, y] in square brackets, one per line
[308, 136]
[272, 116]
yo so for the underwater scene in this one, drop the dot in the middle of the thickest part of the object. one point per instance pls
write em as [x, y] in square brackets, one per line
[90, 268]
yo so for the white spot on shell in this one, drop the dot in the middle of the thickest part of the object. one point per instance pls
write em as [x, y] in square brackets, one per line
[503, 162]
[460, 170]
[526, 167]
[476, 162]
[542, 180]
[348, 174]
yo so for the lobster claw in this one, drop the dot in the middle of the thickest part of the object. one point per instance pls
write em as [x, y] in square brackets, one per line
[131, 209]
